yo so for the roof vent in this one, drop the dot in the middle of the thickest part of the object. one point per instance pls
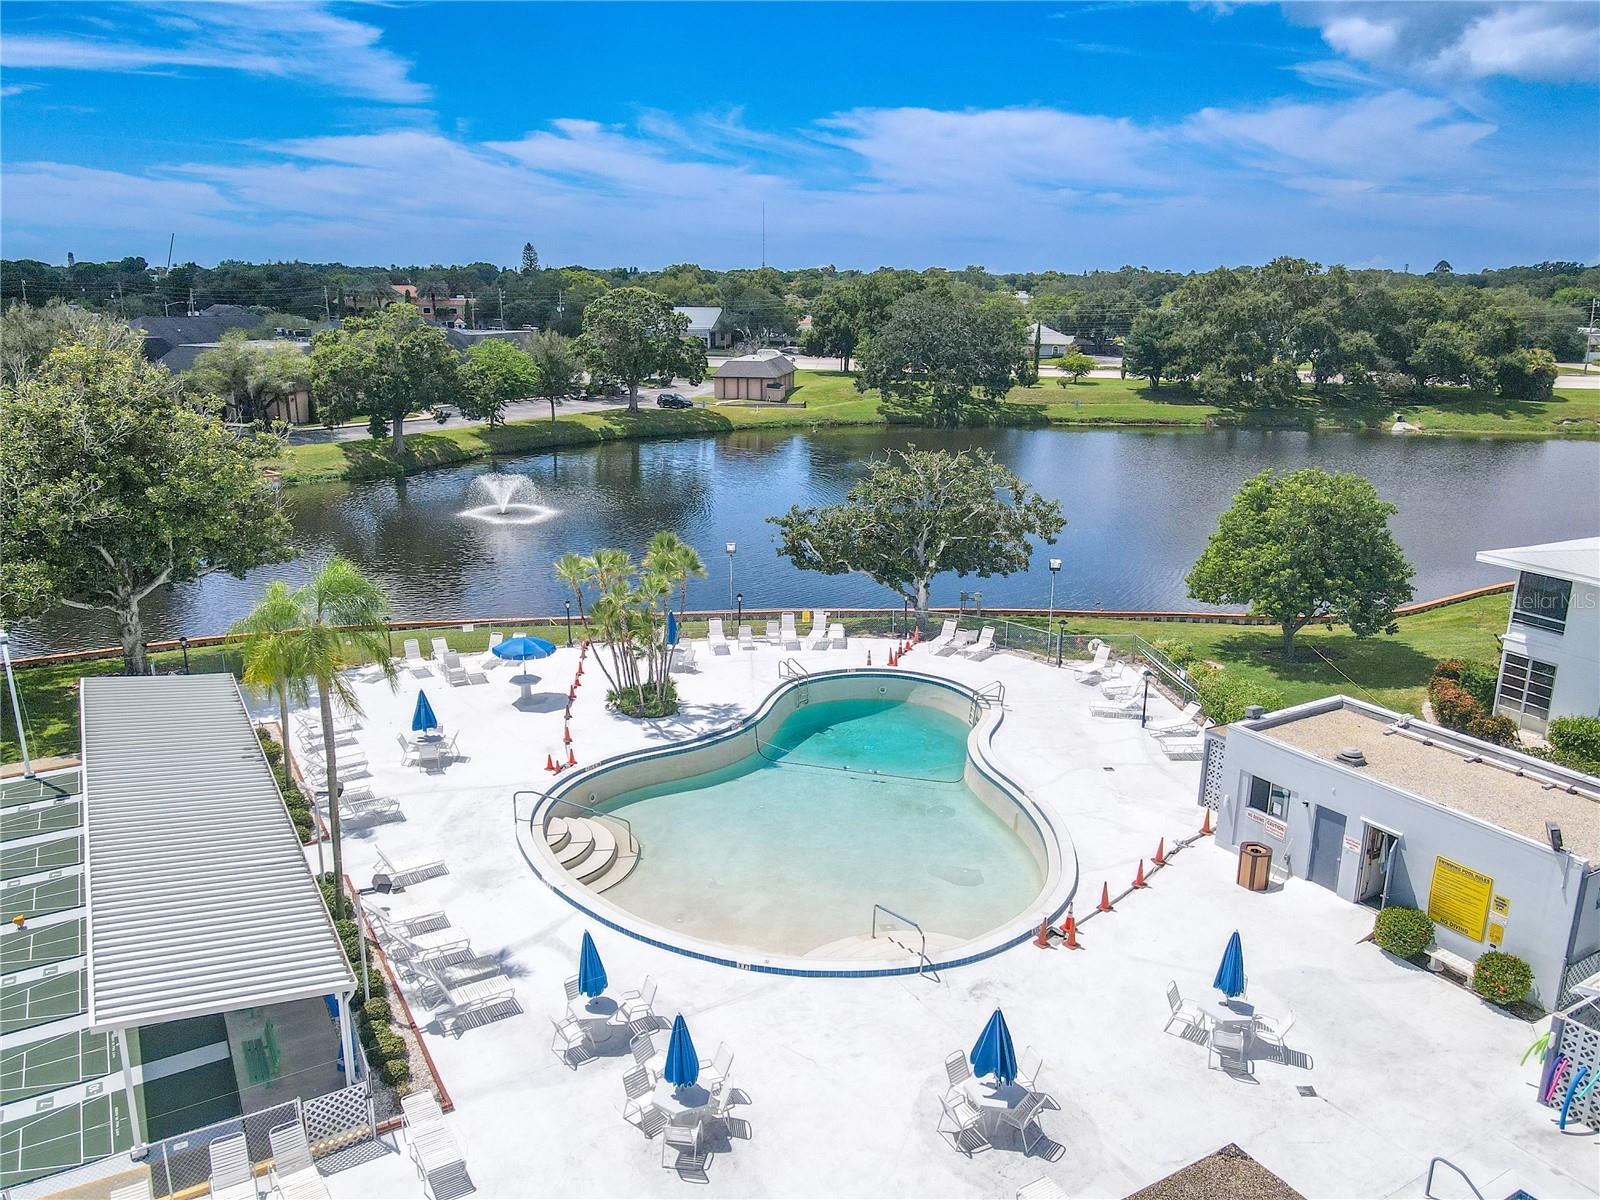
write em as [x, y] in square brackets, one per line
[1351, 756]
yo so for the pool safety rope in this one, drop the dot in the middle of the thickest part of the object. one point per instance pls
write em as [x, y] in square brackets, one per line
[1163, 858]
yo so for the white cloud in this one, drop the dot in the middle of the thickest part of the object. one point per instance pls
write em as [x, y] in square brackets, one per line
[304, 42]
[1454, 40]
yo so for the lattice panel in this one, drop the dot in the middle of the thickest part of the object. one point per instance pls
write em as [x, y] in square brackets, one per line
[339, 1119]
[1211, 773]
[1575, 974]
[1579, 1046]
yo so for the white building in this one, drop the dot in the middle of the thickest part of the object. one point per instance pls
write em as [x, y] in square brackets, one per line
[703, 325]
[1052, 342]
[1380, 808]
[1550, 655]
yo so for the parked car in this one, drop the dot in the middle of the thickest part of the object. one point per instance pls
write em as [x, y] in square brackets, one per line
[673, 400]
[789, 350]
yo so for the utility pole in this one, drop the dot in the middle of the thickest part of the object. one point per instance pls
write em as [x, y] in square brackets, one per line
[500, 293]
[1593, 306]
[763, 233]
[326, 315]
[170, 241]
[192, 312]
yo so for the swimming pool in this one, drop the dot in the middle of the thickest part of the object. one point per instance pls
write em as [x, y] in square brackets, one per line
[851, 804]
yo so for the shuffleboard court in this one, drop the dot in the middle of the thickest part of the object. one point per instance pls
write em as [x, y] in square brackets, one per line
[60, 1138]
[21, 949]
[38, 1001]
[42, 898]
[41, 856]
[47, 818]
[55, 1062]
[26, 791]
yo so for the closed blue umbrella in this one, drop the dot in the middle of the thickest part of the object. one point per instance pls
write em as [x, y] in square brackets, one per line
[520, 649]
[672, 628]
[591, 971]
[683, 1064]
[1230, 972]
[423, 718]
[993, 1053]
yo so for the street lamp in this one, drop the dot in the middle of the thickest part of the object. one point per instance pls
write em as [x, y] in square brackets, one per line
[732, 548]
[568, 603]
[1144, 702]
[184, 642]
[1055, 569]
[740, 617]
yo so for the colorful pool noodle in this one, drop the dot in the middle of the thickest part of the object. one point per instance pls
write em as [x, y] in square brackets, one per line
[1572, 1091]
[1555, 1079]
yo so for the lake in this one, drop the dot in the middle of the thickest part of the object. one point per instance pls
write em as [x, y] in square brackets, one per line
[1139, 506]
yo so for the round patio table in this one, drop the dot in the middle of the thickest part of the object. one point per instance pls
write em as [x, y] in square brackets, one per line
[1230, 1013]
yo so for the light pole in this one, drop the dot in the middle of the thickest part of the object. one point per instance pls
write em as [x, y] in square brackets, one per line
[732, 548]
[740, 618]
[184, 642]
[568, 603]
[1055, 569]
[16, 707]
[1144, 701]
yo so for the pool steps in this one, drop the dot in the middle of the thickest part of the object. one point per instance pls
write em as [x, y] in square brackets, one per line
[593, 849]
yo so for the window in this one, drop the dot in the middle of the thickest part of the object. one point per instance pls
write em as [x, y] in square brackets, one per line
[1269, 798]
[1541, 602]
[1525, 686]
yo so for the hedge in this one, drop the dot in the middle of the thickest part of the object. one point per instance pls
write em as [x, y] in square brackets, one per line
[1501, 979]
[1403, 932]
[386, 1049]
[1575, 742]
[1463, 698]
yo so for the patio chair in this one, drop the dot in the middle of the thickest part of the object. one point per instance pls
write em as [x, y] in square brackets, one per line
[317, 771]
[413, 926]
[571, 1043]
[1125, 709]
[836, 637]
[716, 639]
[469, 1005]
[440, 648]
[1228, 1050]
[489, 661]
[1025, 1117]
[1272, 1031]
[747, 639]
[1182, 749]
[294, 1176]
[409, 754]
[232, 1176]
[714, 1072]
[1028, 1068]
[946, 632]
[369, 810]
[961, 1121]
[818, 638]
[683, 655]
[1191, 1017]
[637, 1006]
[420, 1111]
[1120, 681]
[787, 631]
[638, 1109]
[959, 641]
[980, 649]
[683, 1150]
[774, 633]
[415, 663]
[440, 1164]
[1095, 666]
[958, 1078]
[310, 735]
[1180, 725]
[401, 877]
[643, 1049]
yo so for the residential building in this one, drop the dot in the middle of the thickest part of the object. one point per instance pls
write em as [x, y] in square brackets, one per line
[764, 375]
[1499, 848]
[1550, 654]
[1052, 342]
[705, 325]
[163, 335]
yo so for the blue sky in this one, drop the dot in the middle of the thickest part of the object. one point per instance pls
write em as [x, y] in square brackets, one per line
[1018, 136]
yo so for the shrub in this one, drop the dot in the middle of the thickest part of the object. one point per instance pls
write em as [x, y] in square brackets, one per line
[1501, 978]
[626, 701]
[388, 1043]
[377, 1011]
[396, 1072]
[1183, 654]
[1453, 705]
[1502, 731]
[270, 747]
[1577, 739]
[1403, 932]
[375, 987]
[1224, 696]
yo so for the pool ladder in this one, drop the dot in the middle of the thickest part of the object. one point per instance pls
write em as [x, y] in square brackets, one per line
[924, 963]
[992, 695]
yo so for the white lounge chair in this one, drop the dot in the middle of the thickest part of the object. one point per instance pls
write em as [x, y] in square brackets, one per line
[294, 1176]
[774, 633]
[946, 632]
[1126, 709]
[369, 810]
[959, 641]
[440, 648]
[1183, 749]
[1095, 666]
[1119, 681]
[411, 926]
[468, 1005]
[747, 639]
[317, 771]
[683, 655]
[789, 634]
[415, 663]
[1178, 1012]
[432, 1147]
[490, 661]
[1180, 726]
[405, 876]
[982, 648]
[437, 979]
[232, 1176]
[836, 637]
[716, 639]
[818, 638]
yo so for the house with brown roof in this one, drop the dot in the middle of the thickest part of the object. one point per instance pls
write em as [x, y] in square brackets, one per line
[764, 375]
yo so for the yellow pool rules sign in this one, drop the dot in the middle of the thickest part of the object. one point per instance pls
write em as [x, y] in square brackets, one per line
[1459, 898]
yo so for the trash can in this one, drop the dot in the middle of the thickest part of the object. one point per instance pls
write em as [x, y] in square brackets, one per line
[1255, 866]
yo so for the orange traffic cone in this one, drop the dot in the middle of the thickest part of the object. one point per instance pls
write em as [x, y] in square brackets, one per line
[580, 669]
[869, 658]
[566, 736]
[572, 693]
[550, 763]
[1161, 853]
[1105, 898]
[1205, 826]
[893, 661]
[568, 717]
[571, 762]
[1069, 931]
[1042, 940]
[1138, 880]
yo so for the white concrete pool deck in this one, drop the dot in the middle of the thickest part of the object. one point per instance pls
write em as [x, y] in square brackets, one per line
[844, 1076]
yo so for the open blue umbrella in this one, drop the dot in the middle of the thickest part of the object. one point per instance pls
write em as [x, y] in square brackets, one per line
[591, 971]
[520, 649]
[1230, 972]
[672, 628]
[993, 1053]
[423, 718]
[683, 1064]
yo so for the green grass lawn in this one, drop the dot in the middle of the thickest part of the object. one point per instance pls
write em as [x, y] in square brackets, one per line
[828, 398]
[1392, 671]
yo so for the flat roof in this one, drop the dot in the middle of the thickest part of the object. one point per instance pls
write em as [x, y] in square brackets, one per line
[1449, 769]
[199, 897]
[1577, 559]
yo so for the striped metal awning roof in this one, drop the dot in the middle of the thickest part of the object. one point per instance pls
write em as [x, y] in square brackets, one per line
[199, 897]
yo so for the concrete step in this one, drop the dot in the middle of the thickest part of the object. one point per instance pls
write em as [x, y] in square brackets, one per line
[580, 843]
[622, 863]
[602, 853]
[557, 834]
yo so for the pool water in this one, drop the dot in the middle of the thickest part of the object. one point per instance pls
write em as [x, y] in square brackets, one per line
[850, 803]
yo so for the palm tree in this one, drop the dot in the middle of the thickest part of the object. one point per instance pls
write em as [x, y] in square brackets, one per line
[269, 651]
[574, 570]
[673, 557]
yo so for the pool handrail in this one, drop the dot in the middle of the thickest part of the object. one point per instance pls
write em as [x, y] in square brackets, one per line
[790, 669]
[633, 842]
[925, 963]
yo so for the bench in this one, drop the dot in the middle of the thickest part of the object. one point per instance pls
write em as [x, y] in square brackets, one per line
[1440, 959]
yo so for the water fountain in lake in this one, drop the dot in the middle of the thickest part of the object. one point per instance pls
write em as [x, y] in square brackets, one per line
[508, 500]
